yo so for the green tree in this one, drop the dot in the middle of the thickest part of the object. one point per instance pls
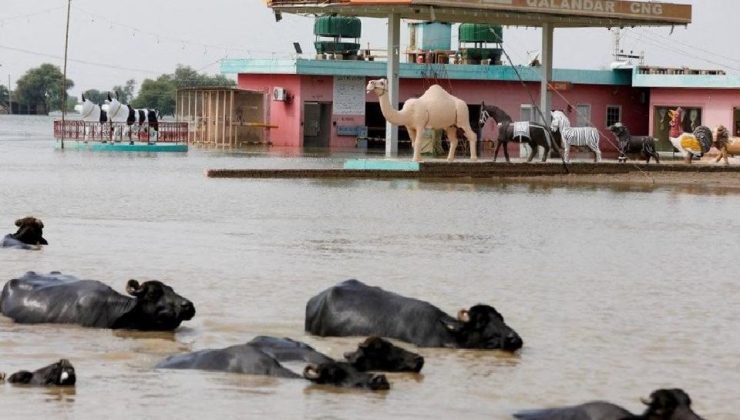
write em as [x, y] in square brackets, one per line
[125, 93]
[95, 96]
[4, 95]
[42, 87]
[160, 93]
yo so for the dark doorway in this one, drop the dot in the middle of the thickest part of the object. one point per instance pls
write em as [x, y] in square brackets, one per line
[316, 124]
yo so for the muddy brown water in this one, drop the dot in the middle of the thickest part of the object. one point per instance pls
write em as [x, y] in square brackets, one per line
[615, 291]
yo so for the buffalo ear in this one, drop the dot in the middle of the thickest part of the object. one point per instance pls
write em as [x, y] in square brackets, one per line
[19, 222]
[40, 223]
[452, 325]
[109, 98]
[133, 288]
[311, 372]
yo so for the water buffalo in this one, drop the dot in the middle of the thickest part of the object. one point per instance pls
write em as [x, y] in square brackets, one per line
[352, 308]
[664, 404]
[58, 298]
[373, 354]
[61, 373]
[29, 235]
[262, 358]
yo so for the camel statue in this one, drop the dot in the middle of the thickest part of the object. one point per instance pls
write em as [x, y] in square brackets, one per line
[435, 109]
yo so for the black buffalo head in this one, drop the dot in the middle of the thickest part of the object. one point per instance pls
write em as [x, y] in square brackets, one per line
[30, 231]
[61, 373]
[158, 307]
[344, 375]
[482, 327]
[669, 404]
[376, 353]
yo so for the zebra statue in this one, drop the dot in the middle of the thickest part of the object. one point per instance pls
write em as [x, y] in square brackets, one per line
[578, 136]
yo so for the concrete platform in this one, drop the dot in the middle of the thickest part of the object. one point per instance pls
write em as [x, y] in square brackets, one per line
[121, 147]
[479, 169]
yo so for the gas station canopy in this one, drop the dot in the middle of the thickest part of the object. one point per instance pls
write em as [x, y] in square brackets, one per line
[558, 13]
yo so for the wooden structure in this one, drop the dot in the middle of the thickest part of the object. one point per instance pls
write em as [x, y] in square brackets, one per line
[223, 117]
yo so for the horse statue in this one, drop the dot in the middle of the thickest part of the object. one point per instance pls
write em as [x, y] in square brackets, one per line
[119, 113]
[628, 144]
[535, 135]
[574, 136]
[689, 144]
[92, 115]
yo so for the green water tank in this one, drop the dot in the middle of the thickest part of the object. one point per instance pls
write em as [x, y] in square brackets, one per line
[474, 32]
[337, 26]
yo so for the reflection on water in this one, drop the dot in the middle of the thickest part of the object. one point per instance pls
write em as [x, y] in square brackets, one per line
[616, 290]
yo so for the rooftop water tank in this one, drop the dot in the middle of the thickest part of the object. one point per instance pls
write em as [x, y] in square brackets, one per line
[337, 27]
[475, 32]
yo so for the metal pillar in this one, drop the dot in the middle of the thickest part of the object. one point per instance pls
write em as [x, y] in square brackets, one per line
[545, 94]
[394, 41]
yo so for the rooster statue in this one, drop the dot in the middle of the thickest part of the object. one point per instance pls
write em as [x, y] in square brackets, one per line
[689, 144]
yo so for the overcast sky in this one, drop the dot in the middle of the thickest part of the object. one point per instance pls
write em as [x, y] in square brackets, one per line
[112, 41]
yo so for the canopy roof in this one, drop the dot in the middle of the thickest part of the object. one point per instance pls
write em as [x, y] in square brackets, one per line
[560, 13]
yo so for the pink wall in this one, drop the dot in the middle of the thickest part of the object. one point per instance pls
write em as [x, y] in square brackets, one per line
[506, 95]
[717, 105]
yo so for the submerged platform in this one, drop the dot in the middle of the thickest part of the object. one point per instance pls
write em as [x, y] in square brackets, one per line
[121, 146]
[384, 169]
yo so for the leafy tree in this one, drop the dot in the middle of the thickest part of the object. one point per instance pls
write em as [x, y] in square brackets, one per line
[160, 93]
[95, 96]
[41, 86]
[4, 95]
[125, 93]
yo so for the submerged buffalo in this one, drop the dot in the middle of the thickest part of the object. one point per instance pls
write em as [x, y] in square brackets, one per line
[61, 373]
[29, 235]
[263, 355]
[664, 404]
[58, 298]
[352, 308]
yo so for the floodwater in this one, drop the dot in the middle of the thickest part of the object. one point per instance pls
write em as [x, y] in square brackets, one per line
[616, 292]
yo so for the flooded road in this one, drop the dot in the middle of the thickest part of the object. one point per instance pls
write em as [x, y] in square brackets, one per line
[615, 293]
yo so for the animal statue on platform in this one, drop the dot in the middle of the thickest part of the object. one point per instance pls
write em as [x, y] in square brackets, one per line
[120, 113]
[148, 123]
[721, 142]
[691, 145]
[643, 146]
[435, 109]
[535, 135]
[92, 116]
[574, 136]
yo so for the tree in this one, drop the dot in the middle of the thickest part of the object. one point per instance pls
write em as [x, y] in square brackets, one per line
[4, 96]
[160, 93]
[41, 86]
[125, 93]
[95, 96]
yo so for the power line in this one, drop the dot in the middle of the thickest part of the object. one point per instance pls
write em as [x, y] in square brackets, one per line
[19, 17]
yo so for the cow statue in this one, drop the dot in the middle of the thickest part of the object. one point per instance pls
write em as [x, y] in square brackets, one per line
[29, 235]
[352, 308]
[58, 298]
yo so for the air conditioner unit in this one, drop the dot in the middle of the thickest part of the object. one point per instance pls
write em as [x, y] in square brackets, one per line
[279, 94]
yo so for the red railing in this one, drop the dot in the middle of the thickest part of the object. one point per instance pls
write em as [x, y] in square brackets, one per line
[168, 132]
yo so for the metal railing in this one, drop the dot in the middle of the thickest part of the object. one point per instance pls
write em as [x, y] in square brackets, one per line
[166, 132]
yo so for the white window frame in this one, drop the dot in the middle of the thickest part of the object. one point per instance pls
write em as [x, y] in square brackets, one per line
[529, 109]
[619, 119]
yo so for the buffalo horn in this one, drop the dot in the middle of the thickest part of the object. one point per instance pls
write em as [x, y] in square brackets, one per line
[133, 288]
[463, 315]
[310, 372]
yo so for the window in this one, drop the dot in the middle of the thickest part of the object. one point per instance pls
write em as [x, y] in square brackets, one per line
[613, 115]
[525, 113]
[583, 115]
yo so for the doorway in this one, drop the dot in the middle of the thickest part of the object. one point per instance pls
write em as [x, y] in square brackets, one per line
[316, 124]
[736, 122]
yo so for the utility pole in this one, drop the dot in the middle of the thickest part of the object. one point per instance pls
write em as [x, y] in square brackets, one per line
[64, 74]
[10, 97]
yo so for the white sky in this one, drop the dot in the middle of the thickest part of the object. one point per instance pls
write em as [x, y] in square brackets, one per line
[112, 41]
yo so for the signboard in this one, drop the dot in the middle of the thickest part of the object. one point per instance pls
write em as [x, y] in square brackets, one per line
[349, 95]
[559, 86]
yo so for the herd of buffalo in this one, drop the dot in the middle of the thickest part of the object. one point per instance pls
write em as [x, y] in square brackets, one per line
[350, 308]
